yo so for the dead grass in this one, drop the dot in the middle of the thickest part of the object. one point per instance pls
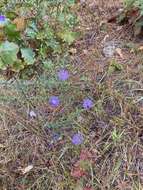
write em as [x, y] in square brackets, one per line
[113, 129]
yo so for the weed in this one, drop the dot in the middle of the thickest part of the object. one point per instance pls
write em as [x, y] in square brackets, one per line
[41, 37]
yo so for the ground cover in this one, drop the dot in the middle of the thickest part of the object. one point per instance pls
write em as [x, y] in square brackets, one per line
[79, 125]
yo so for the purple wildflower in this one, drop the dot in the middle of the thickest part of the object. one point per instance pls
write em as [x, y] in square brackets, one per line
[77, 139]
[54, 101]
[87, 103]
[2, 18]
[63, 74]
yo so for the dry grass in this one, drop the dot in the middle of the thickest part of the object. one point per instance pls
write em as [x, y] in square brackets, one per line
[113, 129]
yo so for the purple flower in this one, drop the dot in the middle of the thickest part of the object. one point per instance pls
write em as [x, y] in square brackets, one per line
[54, 101]
[87, 103]
[77, 139]
[2, 18]
[63, 74]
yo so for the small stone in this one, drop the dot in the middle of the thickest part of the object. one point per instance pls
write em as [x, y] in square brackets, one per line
[109, 49]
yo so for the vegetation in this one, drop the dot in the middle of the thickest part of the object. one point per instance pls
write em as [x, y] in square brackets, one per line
[133, 15]
[71, 114]
[34, 34]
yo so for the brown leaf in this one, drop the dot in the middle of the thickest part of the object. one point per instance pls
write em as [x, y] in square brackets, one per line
[141, 48]
[73, 50]
[1, 145]
[20, 23]
[85, 51]
[119, 52]
[113, 19]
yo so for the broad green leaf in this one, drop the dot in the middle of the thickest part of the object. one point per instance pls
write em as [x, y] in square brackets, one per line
[8, 53]
[11, 32]
[28, 55]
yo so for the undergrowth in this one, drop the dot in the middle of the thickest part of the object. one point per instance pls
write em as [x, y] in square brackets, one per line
[78, 124]
[35, 34]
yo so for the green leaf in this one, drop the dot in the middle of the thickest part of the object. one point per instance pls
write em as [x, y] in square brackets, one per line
[114, 66]
[2, 65]
[11, 32]
[8, 53]
[31, 31]
[10, 14]
[71, 2]
[28, 55]
[17, 66]
[68, 36]
[61, 17]
[48, 64]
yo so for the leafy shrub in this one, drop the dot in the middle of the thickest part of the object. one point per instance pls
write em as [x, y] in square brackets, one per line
[35, 32]
[134, 3]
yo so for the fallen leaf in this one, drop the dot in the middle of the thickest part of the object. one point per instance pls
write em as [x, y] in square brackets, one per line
[105, 38]
[73, 50]
[20, 23]
[1, 145]
[141, 110]
[141, 48]
[27, 169]
[85, 51]
[119, 52]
